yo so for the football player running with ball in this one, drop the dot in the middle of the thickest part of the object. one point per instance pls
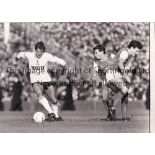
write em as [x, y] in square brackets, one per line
[40, 78]
[117, 79]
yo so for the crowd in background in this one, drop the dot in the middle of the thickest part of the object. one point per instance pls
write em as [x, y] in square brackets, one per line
[74, 42]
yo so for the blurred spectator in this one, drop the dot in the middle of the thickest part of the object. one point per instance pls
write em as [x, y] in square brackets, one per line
[147, 102]
[95, 97]
[1, 102]
[16, 102]
[68, 100]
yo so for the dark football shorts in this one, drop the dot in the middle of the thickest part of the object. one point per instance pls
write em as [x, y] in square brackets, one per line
[45, 84]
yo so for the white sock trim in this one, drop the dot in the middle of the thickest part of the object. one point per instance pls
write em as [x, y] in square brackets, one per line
[44, 102]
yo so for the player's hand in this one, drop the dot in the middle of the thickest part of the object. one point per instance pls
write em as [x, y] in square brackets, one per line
[22, 62]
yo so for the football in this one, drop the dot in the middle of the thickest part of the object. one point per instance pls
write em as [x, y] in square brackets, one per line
[39, 117]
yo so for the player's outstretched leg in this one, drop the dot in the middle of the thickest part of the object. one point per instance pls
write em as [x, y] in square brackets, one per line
[124, 103]
[114, 98]
[104, 94]
[50, 92]
[111, 109]
[104, 102]
[43, 101]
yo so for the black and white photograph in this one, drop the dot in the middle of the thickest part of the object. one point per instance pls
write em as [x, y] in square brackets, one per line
[74, 77]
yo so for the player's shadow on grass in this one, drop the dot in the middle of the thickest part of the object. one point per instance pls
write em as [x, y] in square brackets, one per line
[117, 119]
[106, 120]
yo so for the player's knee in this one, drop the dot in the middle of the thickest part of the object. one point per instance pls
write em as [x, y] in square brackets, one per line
[39, 95]
[37, 90]
[53, 101]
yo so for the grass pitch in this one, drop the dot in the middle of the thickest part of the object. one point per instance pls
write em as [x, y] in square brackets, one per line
[80, 121]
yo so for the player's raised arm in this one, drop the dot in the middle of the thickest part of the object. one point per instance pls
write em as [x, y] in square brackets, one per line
[57, 60]
[21, 57]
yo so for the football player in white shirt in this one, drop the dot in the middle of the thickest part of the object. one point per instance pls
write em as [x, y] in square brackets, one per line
[40, 78]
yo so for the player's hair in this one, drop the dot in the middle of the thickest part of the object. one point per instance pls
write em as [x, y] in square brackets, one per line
[134, 44]
[101, 48]
[40, 45]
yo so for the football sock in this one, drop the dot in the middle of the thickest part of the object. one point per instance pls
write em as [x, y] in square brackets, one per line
[55, 109]
[124, 110]
[43, 101]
